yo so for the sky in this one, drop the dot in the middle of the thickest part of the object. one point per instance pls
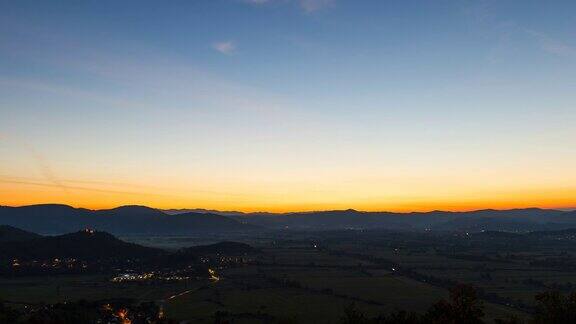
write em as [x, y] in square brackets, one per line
[288, 105]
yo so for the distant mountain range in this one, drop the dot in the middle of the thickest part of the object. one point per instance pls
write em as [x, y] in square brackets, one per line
[56, 219]
[522, 220]
[175, 211]
[145, 220]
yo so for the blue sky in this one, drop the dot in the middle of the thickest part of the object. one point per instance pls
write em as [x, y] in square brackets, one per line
[288, 104]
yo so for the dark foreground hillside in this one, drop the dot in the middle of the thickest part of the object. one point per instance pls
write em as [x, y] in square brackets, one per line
[84, 245]
[12, 234]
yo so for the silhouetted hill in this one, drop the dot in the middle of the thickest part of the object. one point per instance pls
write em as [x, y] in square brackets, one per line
[514, 220]
[528, 219]
[202, 211]
[331, 220]
[13, 234]
[131, 210]
[144, 220]
[208, 222]
[129, 219]
[56, 219]
[45, 218]
[83, 245]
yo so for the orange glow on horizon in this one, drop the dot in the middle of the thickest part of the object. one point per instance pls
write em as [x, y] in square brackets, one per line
[563, 198]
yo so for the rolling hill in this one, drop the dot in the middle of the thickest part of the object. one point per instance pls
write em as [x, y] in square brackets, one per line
[57, 219]
[83, 245]
[529, 219]
[13, 234]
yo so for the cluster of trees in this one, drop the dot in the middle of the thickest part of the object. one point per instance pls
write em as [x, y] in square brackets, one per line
[464, 307]
[555, 308]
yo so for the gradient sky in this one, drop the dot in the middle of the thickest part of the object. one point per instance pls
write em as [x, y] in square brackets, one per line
[287, 105]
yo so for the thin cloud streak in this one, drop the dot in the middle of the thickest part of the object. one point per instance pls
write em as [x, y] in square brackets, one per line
[226, 47]
[51, 185]
[508, 30]
[553, 46]
[44, 166]
[310, 6]
[35, 182]
[40, 162]
[256, 2]
[307, 6]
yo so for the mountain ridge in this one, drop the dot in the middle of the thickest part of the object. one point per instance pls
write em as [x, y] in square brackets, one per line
[131, 219]
[55, 218]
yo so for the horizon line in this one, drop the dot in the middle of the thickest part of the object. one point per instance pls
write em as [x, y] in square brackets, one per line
[562, 209]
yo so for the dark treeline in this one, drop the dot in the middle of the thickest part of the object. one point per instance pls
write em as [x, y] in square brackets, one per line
[462, 307]
[465, 307]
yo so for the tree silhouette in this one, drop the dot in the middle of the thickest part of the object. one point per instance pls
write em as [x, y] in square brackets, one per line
[399, 317]
[509, 320]
[7, 314]
[352, 315]
[440, 312]
[555, 308]
[463, 307]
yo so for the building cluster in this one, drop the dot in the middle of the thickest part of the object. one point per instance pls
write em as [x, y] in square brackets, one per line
[56, 264]
[220, 260]
[150, 276]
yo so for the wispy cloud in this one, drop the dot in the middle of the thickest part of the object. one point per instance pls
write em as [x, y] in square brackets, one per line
[310, 6]
[226, 47]
[167, 82]
[509, 33]
[256, 2]
[40, 161]
[52, 185]
[103, 187]
[553, 46]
